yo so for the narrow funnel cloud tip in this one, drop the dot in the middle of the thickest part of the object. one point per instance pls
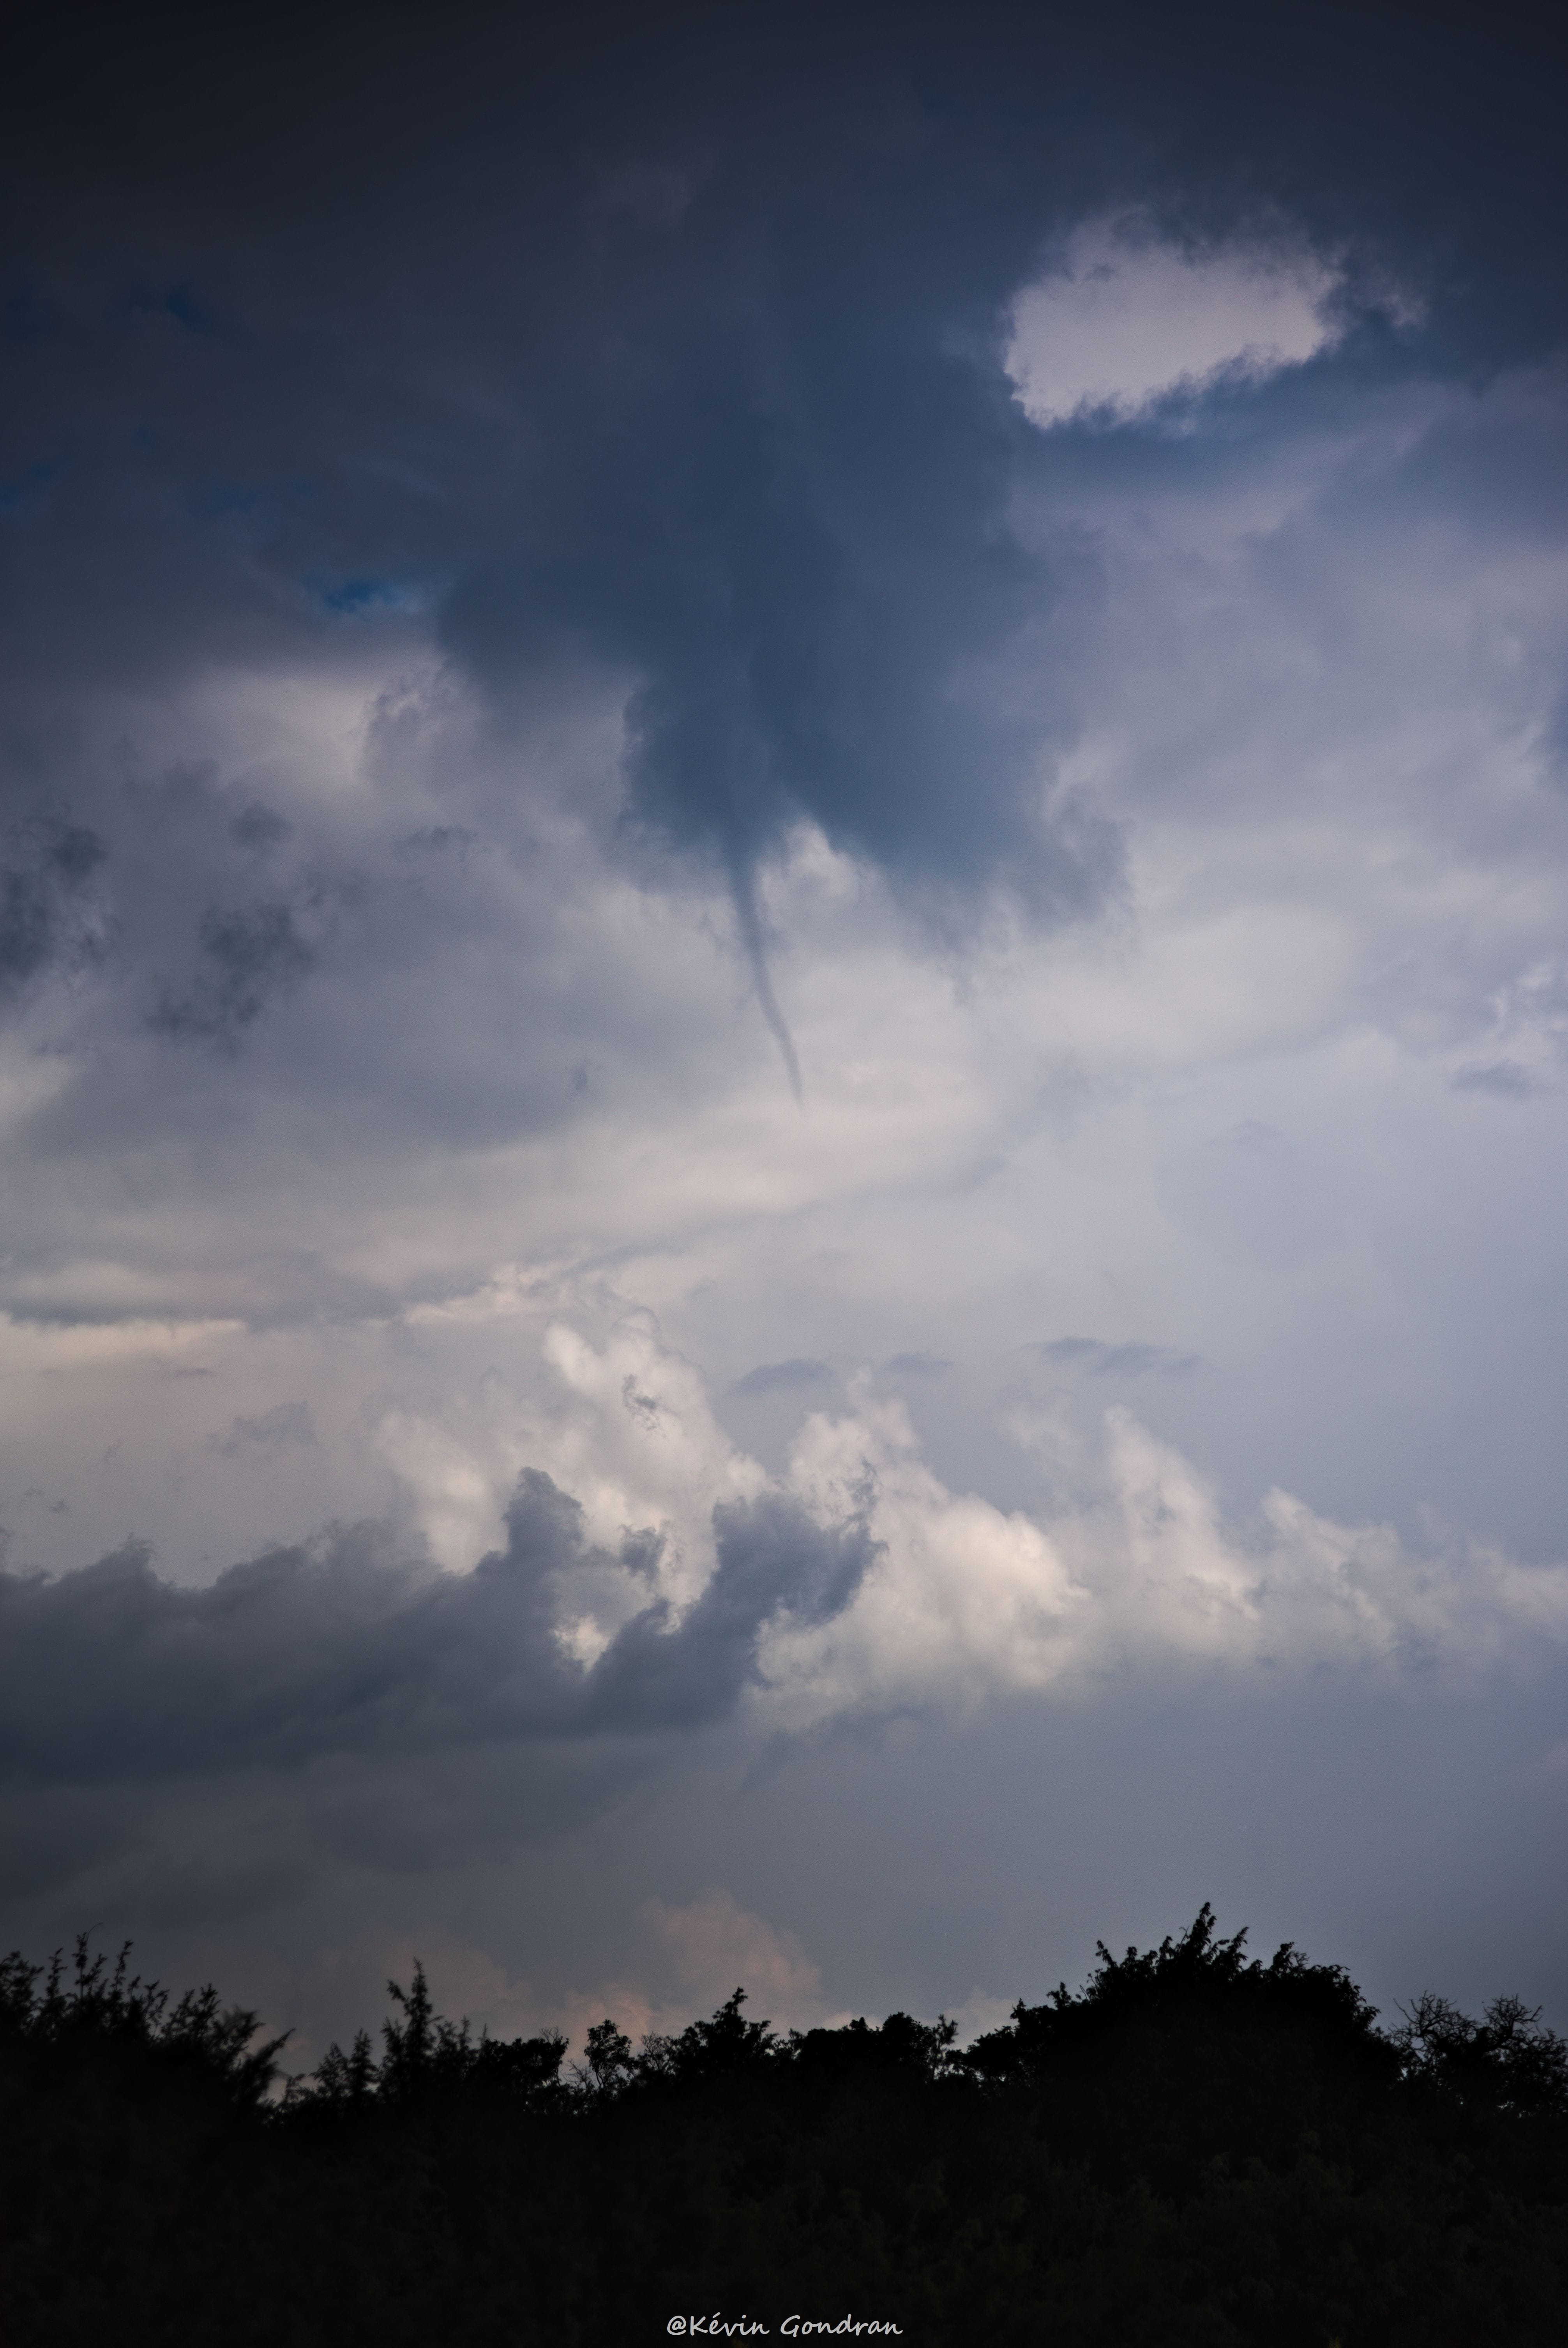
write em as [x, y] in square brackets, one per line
[1129, 319]
[752, 938]
[783, 535]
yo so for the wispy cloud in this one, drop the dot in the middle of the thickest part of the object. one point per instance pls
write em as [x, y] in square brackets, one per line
[1130, 1359]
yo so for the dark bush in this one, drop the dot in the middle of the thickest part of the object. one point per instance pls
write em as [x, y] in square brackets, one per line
[1197, 2148]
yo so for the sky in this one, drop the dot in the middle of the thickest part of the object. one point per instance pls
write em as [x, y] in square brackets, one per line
[784, 1006]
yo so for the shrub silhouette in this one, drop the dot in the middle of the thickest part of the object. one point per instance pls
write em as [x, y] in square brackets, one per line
[1198, 2147]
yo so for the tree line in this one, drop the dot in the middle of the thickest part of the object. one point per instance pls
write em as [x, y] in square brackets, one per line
[1197, 2148]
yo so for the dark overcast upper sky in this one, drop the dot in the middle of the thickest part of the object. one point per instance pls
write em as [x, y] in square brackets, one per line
[783, 998]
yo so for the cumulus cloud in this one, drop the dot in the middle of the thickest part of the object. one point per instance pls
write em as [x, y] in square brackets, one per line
[963, 1598]
[341, 1729]
[855, 1583]
[340, 1648]
[1298, 1590]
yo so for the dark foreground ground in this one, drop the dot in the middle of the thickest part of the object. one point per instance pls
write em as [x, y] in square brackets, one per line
[1197, 2148]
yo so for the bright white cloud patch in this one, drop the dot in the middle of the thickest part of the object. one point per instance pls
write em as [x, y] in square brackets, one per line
[963, 1598]
[1128, 319]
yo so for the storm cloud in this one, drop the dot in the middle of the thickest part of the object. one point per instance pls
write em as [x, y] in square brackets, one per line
[655, 408]
[113, 1675]
[42, 917]
[691, 701]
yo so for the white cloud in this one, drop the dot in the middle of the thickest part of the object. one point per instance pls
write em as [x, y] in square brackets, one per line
[966, 1598]
[1129, 318]
[627, 1428]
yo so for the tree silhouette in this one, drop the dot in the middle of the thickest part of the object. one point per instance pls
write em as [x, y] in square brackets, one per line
[1196, 2146]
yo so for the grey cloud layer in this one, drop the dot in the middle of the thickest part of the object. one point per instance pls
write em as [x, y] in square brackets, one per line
[113, 1675]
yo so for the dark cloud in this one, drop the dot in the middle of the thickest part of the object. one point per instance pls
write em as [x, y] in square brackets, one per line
[785, 525]
[247, 957]
[772, 1559]
[259, 826]
[341, 1649]
[44, 913]
[664, 355]
[917, 1365]
[783, 1377]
